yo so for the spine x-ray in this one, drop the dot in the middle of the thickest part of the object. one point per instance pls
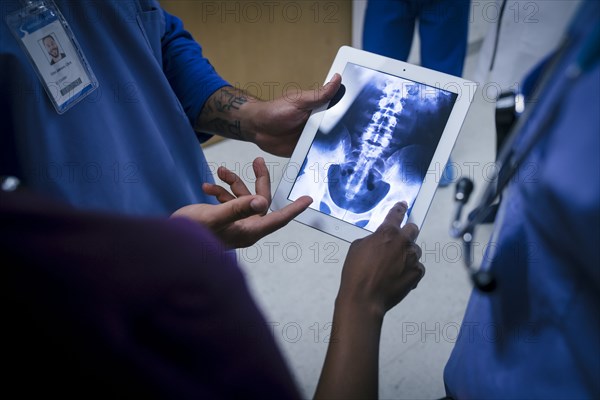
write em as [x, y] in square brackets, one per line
[374, 147]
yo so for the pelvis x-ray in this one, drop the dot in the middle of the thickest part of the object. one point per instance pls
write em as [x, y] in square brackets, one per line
[373, 147]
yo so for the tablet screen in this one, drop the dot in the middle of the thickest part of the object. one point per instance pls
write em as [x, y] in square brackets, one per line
[373, 147]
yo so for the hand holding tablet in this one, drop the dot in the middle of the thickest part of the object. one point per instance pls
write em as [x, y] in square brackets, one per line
[374, 144]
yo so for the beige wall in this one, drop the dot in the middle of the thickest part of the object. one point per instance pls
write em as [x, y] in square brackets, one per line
[266, 46]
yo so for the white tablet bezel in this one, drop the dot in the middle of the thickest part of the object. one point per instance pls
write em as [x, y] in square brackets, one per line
[344, 230]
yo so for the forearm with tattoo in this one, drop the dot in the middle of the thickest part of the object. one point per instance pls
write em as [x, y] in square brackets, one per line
[224, 112]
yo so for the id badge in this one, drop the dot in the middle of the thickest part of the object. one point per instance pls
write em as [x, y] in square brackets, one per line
[45, 36]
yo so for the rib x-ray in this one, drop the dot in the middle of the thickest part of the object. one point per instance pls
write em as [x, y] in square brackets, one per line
[373, 147]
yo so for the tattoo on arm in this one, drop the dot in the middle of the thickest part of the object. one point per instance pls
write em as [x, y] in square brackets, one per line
[227, 99]
[221, 113]
[227, 128]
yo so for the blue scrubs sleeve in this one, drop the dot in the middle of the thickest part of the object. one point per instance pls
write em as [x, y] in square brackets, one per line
[189, 73]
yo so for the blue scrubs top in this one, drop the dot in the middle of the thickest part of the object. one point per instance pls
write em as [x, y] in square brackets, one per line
[538, 334]
[129, 147]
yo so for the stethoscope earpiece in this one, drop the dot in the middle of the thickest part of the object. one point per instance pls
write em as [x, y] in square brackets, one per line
[484, 281]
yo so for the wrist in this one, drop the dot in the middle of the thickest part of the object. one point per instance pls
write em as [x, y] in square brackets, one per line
[359, 309]
[254, 116]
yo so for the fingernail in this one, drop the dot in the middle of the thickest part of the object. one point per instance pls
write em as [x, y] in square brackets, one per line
[404, 204]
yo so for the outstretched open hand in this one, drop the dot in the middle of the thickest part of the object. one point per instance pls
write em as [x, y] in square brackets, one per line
[241, 219]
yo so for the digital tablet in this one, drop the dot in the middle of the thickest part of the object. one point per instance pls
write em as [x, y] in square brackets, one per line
[385, 137]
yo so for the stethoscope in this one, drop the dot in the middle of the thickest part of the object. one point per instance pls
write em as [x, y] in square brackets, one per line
[510, 160]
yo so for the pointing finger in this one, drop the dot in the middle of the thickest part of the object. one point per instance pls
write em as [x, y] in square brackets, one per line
[396, 215]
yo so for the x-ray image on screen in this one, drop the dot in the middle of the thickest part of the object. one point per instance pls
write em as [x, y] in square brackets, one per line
[373, 147]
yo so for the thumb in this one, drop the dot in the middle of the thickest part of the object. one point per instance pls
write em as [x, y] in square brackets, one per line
[234, 210]
[315, 98]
